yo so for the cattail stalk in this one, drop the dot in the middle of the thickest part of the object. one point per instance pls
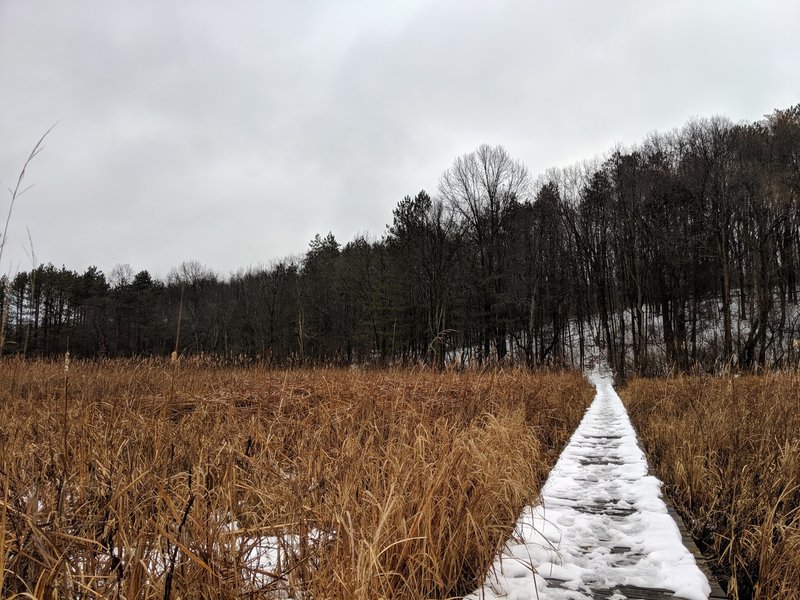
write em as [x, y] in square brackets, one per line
[4, 313]
[65, 429]
[174, 356]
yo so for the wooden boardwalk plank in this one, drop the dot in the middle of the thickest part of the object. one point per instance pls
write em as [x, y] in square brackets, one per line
[716, 590]
[603, 529]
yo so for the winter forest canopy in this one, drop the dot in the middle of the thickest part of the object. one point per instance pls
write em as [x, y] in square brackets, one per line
[679, 253]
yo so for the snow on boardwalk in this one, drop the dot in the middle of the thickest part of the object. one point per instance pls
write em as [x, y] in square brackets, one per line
[602, 529]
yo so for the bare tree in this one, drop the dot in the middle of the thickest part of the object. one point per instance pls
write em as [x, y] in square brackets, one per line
[481, 187]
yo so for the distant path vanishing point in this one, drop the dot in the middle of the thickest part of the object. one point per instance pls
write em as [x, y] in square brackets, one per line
[602, 529]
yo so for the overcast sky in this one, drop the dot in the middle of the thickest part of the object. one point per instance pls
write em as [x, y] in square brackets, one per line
[232, 132]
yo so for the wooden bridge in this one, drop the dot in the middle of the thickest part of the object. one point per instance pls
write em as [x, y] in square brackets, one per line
[602, 529]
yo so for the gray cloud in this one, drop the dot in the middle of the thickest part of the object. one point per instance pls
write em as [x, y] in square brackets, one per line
[232, 133]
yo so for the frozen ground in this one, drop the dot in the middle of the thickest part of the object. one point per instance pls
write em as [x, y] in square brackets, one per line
[601, 525]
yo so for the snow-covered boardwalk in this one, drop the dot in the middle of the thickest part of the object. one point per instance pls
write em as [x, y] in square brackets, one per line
[602, 529]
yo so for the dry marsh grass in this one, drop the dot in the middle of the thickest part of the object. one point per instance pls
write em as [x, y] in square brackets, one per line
[728, 450]
[379, 484]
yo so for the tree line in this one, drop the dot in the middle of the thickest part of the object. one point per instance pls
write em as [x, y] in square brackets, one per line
[681, 252]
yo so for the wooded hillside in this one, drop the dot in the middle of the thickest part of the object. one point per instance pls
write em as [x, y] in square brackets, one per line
[681, 251]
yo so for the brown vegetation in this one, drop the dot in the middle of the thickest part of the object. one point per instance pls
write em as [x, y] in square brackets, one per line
[728, 450]
[118, 481]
